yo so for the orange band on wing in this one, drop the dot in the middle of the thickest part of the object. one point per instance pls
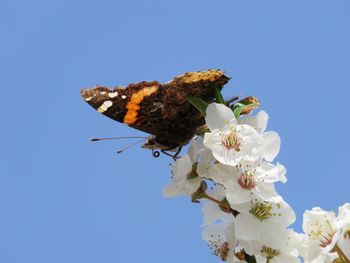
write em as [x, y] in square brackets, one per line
[135, 100]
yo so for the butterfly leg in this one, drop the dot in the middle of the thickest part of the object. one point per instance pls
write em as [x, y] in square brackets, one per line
[155, 153]
[174, 156]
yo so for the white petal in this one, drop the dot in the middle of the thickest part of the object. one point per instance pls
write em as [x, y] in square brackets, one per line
[191, 185]
[344, 213]
[237, 195]
[215, 232]
[319, 215]
[195, 148]
[223, 174]
[251, 247]
[181, 187]
[274, 235]
[206, 160]
[267, 172]
[217, 115]
[263, 118]
[182, 167]
[247, 227]
[174, 188]
[258, 122]
[272, 143]
[284, 259]
[210, 213]
[228, 157]
[282, 172]
[267, 192]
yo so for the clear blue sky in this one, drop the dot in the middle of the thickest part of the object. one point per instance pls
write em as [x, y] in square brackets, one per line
[64, 199]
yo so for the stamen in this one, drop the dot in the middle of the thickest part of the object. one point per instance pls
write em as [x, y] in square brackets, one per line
[269, 253]
[247, 180]
[326, 240]
[219, 247]
[231, 141]
[263, 210]
[321, 232]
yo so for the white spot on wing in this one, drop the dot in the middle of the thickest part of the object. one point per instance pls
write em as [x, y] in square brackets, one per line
[105, 106]
[88, 98]
[113, 94]
[123, 97]
[103, 92]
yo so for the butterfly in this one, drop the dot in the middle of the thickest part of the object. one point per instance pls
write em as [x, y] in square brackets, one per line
[160, 109]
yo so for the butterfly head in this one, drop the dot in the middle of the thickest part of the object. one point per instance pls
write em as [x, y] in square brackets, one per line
[151, 143]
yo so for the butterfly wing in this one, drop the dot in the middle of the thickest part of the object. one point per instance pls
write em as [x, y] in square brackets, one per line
[120, 104]
[159, 109]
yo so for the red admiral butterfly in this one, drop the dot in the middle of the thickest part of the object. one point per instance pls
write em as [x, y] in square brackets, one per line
[163, 110]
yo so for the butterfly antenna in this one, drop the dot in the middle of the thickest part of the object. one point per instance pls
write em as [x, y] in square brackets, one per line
[117, 138]
[131, 145]
[229, 101]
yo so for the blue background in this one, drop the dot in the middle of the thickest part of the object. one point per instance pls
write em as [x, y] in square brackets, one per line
[64, 199]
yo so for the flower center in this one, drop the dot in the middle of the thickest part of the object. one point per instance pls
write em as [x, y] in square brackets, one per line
[269, 253]
[247, 180]
[322, 232]
[263, 210]
[219, 248]
[231, 141]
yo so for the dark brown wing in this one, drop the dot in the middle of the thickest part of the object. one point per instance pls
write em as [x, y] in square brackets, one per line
[159, 109]
[116, 103]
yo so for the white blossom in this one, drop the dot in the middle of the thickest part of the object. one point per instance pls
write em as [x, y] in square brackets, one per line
[229, 141]
[221, 240]
[185, 180]
[321, 233]
[249, 180]
[244, 214]
[265, 222]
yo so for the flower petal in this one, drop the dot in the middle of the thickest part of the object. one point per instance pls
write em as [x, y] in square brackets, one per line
[258, 122]
[271, 147]
[217, 115]
[247, 227]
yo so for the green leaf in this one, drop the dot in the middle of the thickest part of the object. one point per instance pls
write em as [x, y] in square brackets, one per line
[218, 97]
[199, 104]
[238, 108]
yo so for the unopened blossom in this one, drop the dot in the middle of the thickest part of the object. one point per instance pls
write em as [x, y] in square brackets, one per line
[229, 141]
[185, 179]
[249, 180]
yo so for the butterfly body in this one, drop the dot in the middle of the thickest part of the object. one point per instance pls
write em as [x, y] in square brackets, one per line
[163, 110]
